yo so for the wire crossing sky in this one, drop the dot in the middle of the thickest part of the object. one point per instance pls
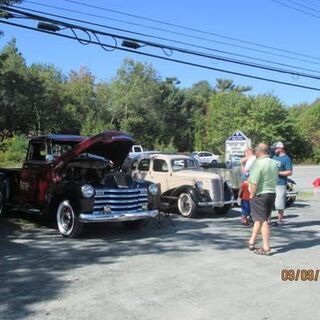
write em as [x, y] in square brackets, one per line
[231, 40]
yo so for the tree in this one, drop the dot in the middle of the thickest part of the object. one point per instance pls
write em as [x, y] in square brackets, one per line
[14, 105]
[225, 85]
[202, 92]
[10, 2]
[262, 118]
[307, 119]
[7, 3]
[136, 100]
[177, 117]
[47, 94]
[100, 118]
[31, 98]
[226, 113]
[80, 99]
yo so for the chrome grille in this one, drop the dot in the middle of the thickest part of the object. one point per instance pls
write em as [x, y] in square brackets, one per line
[217, 194]
[116, 200]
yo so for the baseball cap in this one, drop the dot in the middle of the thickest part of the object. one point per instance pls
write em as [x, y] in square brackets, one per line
[279, 144]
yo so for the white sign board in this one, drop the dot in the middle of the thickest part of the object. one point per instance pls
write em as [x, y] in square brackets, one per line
[235, 146]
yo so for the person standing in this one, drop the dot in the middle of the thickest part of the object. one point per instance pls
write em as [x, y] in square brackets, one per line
[244, 202]
[248, 161]
[284, 165]
[262, 187]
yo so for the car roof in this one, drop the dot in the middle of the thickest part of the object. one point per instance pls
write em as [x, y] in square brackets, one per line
[167, 156]
[59, 137]
[204, 151]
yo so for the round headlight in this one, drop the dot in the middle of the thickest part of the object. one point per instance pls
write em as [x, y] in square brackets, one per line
[153, 189]
[199, 185]
[87, 191]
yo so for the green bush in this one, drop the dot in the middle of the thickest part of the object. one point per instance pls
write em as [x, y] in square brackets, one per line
[13, 151]
[316, 155]
[170, 148]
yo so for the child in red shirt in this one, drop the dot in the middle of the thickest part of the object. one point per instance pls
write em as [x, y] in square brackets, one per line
[244, 198]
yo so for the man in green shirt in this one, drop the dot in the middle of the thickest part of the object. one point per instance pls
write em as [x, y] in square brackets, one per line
[262, 187]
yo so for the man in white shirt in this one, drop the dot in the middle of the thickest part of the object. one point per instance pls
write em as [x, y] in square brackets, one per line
[248, 161]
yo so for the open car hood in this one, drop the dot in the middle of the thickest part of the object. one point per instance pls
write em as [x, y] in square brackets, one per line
[112, 145]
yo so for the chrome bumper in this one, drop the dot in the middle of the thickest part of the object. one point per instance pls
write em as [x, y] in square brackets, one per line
[117, 216]
[214, 204]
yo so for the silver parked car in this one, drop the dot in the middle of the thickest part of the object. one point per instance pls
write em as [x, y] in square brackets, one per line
[205, 157]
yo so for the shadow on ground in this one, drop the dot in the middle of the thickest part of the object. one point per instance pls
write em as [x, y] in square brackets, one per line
[35, 259]
[300, 205]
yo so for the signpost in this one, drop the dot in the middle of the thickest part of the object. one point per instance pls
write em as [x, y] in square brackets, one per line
[235, 146]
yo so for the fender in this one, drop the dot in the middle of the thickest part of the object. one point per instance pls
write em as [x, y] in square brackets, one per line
[72, 193]
[185, 188]
[291, 181]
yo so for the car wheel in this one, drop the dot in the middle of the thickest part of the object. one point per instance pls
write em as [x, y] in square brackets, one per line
[67, 220]
[133, 225]
[2, 205]
[186, 205]
[290, 201]
[214, 161]
[223, 210]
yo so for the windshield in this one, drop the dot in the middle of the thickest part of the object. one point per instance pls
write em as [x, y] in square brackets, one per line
[137, 149]
[59, 148]
[179, 164]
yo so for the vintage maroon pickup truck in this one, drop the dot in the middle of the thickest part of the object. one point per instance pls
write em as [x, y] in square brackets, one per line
[78, 180]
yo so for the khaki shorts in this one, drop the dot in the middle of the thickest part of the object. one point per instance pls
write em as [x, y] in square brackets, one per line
[280, 202]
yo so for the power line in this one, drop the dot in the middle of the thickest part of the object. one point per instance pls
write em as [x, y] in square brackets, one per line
[166, 39]
[189, 28]
[297, 9]
[182, 34]
[164, 58]
[163, 46]
[313, 3]
[304, 6]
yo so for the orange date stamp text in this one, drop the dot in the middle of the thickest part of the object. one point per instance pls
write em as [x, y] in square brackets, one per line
[300, 274]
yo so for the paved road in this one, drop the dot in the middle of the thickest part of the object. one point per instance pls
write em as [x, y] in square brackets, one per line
[304, 175]
[198, 270]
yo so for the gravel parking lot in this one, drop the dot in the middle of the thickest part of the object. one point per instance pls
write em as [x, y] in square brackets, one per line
[197, 269]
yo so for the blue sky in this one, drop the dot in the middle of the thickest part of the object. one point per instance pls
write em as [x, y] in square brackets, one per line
[265, 22]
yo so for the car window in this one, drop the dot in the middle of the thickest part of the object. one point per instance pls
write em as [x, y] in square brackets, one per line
[207, 154]
[144, 165]
[160, 165]
[59, 148]
[38, 151]
[137, 149]
[179, 164]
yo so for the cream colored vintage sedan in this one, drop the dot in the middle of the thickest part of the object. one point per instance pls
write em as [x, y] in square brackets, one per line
[184, 185]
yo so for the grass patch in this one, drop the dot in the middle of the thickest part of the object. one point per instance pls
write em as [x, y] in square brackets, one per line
[11, 165]
[305, 195]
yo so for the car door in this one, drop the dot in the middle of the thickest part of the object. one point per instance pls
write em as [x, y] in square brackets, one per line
[159, 173]
[206, 157]
[140, 169]
[35, 176]
[201, 157]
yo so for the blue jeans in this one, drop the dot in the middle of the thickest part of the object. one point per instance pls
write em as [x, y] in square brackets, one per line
[245, 207]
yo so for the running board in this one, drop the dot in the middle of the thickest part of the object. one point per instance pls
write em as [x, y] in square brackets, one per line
[31, 211]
